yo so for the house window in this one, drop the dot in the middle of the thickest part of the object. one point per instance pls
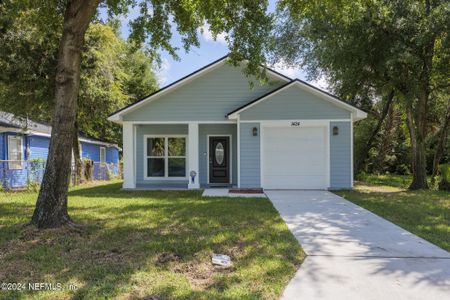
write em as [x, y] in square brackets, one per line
[15, 152]
[102, 155]
[165, 157]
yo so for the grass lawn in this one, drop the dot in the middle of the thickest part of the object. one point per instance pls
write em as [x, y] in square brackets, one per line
[148, 245]
[424, 213]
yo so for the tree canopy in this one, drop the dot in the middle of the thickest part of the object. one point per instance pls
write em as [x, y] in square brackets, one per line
[114, 72]
[374, 51]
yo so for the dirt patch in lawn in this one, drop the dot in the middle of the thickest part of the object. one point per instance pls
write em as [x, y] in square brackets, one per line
[201, 273]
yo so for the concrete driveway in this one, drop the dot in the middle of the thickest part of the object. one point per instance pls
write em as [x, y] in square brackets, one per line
[354, 254]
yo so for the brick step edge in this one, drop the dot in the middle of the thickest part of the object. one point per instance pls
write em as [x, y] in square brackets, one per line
[246, 191]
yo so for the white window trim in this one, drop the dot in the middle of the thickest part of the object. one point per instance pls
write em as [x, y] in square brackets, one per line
[18, 163]
[230, 150]
[166, 156]
[104, 156]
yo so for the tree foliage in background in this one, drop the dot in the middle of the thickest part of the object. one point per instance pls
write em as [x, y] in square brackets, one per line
[29, 36]
[369, 50]
[114, 73]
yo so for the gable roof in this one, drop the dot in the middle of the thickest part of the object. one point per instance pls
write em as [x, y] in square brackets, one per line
[116, 116]
[358, 113]
[10, 122]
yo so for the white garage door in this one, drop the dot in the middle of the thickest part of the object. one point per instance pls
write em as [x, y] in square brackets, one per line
[294, 158]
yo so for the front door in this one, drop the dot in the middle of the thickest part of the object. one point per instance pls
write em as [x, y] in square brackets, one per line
[219, 159]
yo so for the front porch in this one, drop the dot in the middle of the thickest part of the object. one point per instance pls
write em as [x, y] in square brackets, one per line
[164, 156]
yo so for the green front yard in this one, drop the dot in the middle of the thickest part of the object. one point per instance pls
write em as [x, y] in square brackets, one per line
[152, 245]
[424, 213]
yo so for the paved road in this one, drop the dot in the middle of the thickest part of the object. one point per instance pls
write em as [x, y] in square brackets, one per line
[354, 254]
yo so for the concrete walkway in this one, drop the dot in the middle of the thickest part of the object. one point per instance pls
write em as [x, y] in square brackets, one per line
[354, 254]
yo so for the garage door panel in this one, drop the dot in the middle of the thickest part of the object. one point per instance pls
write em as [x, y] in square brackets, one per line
[294, 158]
[295, 182]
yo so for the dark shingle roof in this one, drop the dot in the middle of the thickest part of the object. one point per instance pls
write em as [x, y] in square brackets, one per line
[11, 121]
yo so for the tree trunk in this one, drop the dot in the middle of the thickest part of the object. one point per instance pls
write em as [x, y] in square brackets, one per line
[441, 145]
[365, 152]
[76, 156]
[384, 146]
[418, 163]
[420, 115]
[51, 205]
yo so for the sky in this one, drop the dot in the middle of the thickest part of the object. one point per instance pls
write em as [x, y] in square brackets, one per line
[209, 51]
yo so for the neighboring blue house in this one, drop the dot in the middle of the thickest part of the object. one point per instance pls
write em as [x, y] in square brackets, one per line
[24, 148]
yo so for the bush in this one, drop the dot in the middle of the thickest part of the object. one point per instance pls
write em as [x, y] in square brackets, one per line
[444, 184]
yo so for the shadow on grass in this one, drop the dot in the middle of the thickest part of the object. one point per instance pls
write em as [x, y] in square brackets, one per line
[150, 243]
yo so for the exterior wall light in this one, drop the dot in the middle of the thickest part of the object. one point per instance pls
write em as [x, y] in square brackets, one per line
[335, 130]
[255, 131]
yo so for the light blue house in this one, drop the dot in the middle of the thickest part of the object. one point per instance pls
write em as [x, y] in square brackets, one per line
[211, 128]
[24, 149]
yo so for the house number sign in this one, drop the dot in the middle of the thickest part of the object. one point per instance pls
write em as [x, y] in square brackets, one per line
[295, 124]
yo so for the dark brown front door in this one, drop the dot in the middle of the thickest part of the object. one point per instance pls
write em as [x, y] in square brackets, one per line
[219, 159]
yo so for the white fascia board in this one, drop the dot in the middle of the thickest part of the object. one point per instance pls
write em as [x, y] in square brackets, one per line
[359, 114]
[99, 143]
[9, 129]
[21, 131]
[115, 118]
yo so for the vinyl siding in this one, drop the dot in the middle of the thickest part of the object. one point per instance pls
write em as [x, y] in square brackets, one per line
[207, 98]
[90, 151]
[340, 159]
[38, 147]
[293, 104]
[218, 129]
[142, 130]
[250, 156]
[112, 155]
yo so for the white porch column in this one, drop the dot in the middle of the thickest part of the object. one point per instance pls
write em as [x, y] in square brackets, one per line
[129, 181]
[193, 155]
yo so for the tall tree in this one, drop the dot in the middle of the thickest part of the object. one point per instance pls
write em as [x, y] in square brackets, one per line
[377, 45]
[246, 23]
[114, 72]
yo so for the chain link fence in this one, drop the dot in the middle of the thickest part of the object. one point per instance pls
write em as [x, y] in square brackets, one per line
[16, 174]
